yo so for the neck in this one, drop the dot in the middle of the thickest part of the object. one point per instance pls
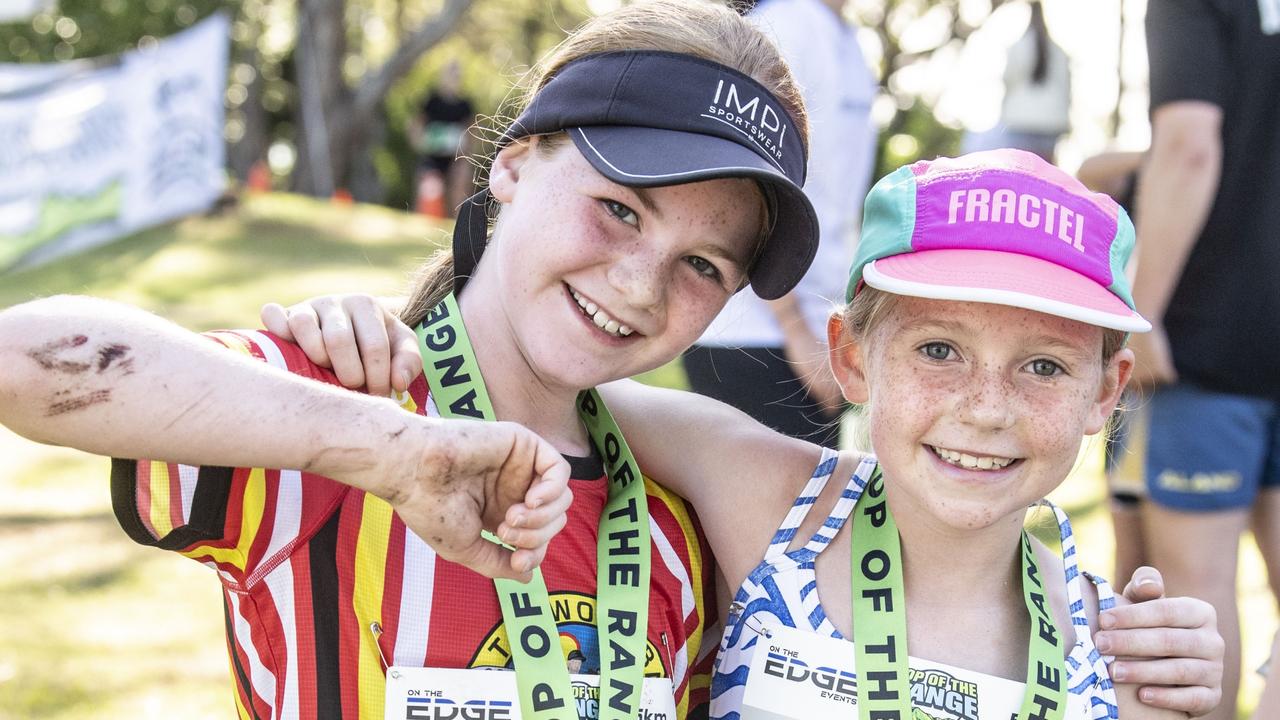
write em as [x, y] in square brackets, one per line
[944, 564]
[517, 391]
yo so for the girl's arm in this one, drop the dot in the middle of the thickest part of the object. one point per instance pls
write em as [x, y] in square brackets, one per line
[740, 476]
[696, 446]
[114, 380]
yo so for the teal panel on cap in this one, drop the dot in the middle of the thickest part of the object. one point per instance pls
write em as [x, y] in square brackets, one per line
[1121, 249]
[888, 222]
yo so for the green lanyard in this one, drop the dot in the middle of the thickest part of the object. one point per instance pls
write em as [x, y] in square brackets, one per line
[622, 548]
[880, 621]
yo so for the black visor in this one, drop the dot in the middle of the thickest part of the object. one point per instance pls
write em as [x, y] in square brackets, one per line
[646, 119]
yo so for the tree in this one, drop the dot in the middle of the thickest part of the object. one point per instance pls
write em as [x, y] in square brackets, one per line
[913, 35]
[340, 122]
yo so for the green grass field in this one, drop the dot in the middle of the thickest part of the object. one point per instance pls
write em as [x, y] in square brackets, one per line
[94, 626]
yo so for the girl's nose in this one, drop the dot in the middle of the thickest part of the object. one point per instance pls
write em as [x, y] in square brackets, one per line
[639, 277]
[988, 404]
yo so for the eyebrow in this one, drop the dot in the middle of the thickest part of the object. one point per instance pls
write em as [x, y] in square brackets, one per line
[717, 251]
[1050, 342]
[646, 199]
[922, 324]
[1062, 346]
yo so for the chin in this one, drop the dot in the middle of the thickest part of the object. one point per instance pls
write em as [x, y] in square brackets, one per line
[971, 513]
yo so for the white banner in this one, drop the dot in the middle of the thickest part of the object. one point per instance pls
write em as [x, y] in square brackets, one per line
[14, 10]
[89, 153]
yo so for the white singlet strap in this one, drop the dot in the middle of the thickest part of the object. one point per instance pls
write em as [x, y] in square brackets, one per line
[843, 507]
[800, 508]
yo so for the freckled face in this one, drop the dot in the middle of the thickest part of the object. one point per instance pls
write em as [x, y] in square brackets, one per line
[978, 410]
[600, 281]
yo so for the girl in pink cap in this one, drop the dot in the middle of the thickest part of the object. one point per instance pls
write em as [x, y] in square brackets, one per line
[985, 329]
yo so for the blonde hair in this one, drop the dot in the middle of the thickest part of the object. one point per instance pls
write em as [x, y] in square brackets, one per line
[870, 307]
[701, 29]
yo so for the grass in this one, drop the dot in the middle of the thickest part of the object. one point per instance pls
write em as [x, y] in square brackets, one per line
[97, 627]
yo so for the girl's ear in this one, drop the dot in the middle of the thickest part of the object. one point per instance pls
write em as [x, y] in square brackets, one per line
[504, 174]
[1114, 377]
[847, 361]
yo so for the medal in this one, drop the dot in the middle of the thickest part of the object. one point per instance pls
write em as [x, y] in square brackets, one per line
[622, 550]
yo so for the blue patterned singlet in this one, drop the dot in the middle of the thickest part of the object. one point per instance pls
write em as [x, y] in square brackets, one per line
[783, 590]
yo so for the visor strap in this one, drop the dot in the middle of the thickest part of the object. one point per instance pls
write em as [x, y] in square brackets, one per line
[470, 235]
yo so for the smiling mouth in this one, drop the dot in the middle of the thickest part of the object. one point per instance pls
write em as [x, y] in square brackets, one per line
[601, 318]
[972, 462]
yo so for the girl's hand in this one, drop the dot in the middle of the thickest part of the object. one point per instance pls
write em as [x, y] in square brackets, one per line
[1171, 645]
[454, 478]
[363, 342]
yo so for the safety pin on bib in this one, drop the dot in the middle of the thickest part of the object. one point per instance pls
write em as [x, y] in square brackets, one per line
[375, 629]
[736, 608]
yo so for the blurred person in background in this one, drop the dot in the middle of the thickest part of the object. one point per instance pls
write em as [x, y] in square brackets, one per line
[439, 134]
[1209, 261]
[1116, 174]
[1036, 108]
[768, 359]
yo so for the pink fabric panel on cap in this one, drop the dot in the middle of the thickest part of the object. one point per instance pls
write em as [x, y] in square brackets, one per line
[1002, 271]
[1048, 215]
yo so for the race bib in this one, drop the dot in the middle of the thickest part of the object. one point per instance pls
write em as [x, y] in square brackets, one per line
[797, 675]
[446, 694]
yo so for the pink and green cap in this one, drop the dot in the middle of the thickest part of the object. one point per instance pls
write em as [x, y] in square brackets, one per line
[999, 226]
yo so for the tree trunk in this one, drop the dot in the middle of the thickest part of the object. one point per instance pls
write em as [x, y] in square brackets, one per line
[252, 145]
[365, 184]
[321, 49]
[337, 123]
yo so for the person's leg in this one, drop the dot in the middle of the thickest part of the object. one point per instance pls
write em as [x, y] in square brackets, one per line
[1196, 553]
[1205, 458]
[1266, 530]
[1131, 550]
[1269, 703]
[1126, 451]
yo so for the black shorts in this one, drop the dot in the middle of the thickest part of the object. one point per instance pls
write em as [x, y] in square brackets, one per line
[760, 382]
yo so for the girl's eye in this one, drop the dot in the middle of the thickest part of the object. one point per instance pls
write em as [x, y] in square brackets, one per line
[1045, 368]
[704, 267]
[622, 212]
[937, 350]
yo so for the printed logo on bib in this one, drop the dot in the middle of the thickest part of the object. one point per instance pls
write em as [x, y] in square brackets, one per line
[575, 617]
[938, 690]
[797, 675]
[452, 694]
[438, 706]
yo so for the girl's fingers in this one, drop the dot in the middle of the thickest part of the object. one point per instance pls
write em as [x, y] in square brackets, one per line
[1194, 700]
[1175, 612]
[339, 338]
[549, 489]
[530, 529]
[372, 343]
[406, 358]
[1161, 642]
[1146, 584]
[524, 561]
[1168, 671]
[304, 326]
[493, 560]
[276, 320]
